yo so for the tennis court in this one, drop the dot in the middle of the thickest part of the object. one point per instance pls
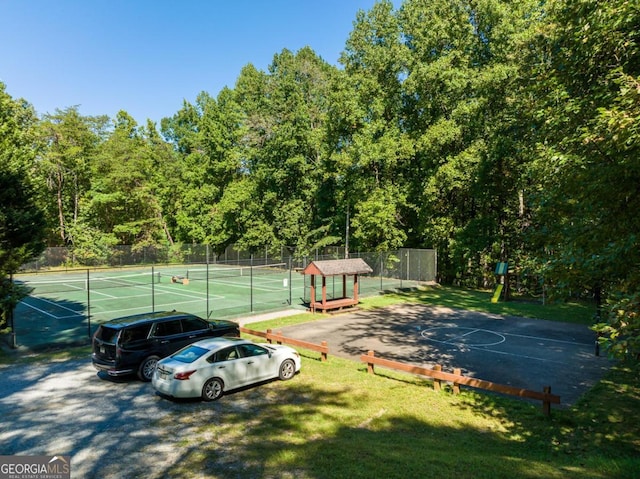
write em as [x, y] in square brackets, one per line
[66, 307]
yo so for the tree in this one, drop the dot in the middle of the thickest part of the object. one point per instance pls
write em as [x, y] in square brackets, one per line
[206, 136]
[22, 223]
[589, 104]
[123, 200]
[283, 145]
[69, 143]
[370, 146]
[460, 109]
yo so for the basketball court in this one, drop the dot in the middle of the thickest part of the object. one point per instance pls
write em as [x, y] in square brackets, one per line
[514, 351]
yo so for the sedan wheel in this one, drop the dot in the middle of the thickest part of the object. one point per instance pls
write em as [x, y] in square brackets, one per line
[212, 389]
[287, 369]
[147, 368]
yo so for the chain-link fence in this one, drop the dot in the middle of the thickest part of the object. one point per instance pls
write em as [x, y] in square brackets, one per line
[408, 264]
[67, 302]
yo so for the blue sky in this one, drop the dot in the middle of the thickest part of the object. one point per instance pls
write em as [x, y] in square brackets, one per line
[147, 56]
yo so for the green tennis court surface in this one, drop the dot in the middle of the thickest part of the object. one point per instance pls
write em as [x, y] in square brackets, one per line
[67, 307]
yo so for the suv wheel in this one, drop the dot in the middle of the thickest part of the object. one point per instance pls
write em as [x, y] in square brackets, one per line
[147, 368]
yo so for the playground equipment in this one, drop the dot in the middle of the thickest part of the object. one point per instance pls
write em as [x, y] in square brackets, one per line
[501, 270]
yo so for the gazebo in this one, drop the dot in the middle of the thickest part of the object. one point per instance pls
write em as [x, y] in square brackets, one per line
[335, 267]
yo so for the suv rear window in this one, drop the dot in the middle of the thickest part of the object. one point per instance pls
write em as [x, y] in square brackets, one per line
[134, 333]
[107, 334]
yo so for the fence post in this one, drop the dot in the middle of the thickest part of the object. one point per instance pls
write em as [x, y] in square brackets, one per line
[370, 368]
[456, 386]
[88, 303]
[290, 281]
[546, 404]
[279, 337]
[436, 382]
[251, 284]
[269, 331]
[323, 354]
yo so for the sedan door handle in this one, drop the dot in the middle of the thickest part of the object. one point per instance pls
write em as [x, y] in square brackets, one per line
[166, 341]
[193, 336]
[249, 362]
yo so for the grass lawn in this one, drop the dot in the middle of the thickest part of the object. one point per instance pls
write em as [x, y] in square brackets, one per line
[335, 420]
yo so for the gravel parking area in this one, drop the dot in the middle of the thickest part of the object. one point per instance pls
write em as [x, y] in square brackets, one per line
[110, 428]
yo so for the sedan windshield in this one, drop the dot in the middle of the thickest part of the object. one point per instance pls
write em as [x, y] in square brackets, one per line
[189, 354]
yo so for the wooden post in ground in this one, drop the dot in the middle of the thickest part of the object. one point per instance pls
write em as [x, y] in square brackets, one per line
[546, 404]
[370, 369]
[437, 384]
[269, 331]
[456, 386]
[323, 354]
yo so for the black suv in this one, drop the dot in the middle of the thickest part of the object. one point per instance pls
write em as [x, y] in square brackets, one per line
[134, 344]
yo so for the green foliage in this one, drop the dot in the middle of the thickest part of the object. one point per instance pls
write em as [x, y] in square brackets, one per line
[376, 223]
[620, 333]
[69, 144]
[22, 222]
[587, 106]
[91, 247]
[491, 130]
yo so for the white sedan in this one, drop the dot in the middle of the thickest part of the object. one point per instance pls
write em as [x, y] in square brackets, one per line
[209, 367]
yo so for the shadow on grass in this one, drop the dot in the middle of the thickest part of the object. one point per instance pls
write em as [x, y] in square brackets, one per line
[319, 425]
[289, 437]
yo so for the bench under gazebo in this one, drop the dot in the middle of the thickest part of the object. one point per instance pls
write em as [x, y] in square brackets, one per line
[335, 267]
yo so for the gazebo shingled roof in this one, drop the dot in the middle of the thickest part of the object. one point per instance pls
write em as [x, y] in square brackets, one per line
[338, 267]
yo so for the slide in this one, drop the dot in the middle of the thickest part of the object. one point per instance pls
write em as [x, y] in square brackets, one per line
[497, 293]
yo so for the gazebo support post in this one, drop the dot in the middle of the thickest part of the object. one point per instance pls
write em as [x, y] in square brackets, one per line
[324, 292]
[313, 293]
[355, 287]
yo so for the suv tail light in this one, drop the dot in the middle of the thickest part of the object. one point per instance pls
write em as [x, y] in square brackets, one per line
[183, 376]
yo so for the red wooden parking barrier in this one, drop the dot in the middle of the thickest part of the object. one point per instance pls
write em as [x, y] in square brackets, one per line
[278, 338]
[458, 379]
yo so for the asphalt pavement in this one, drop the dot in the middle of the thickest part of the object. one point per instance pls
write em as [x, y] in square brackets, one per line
[520, 352]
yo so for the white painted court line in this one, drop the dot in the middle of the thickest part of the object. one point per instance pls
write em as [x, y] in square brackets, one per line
[483, 347]
[473, 331]
[158, 307]
[547, 339]
[248, 286]
[103, 294]
[161, 296]
[453, 341]
[46, 313]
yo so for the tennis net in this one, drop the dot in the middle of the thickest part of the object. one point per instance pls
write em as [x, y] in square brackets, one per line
[236, 271]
